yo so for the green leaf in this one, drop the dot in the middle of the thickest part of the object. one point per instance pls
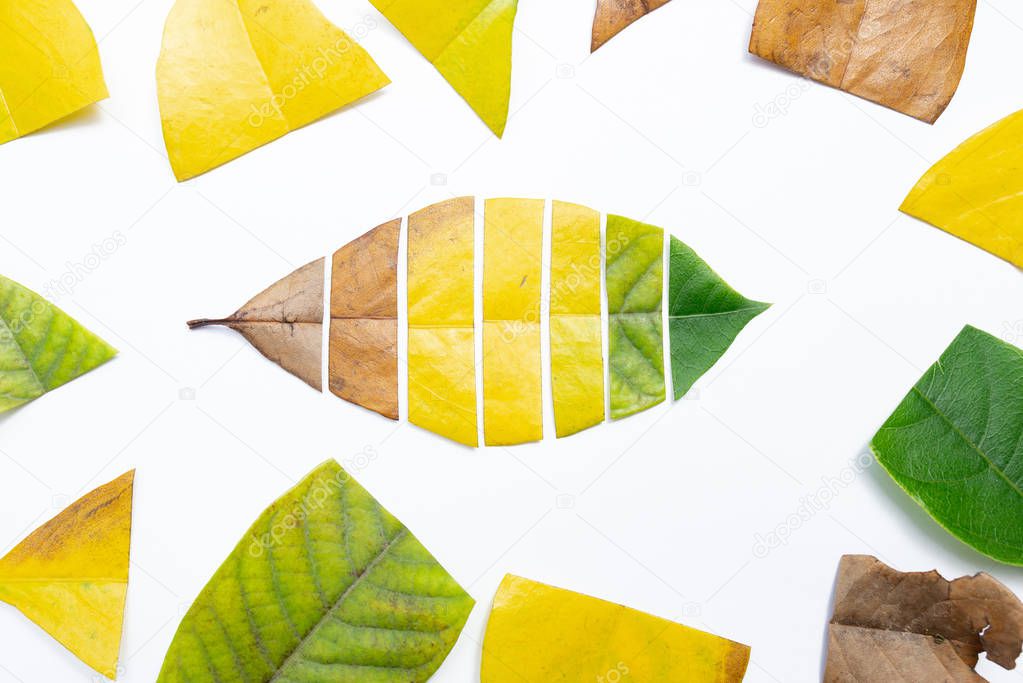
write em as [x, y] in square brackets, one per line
[325, 586]
[705, 316]
[41, 346]
[635, 271]
[955, 444]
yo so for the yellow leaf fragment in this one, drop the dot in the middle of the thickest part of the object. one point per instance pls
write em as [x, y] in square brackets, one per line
[441, 327]
[540, 633]
[577, 360]
[70, 576]
[236, 74]
[976, 192]
[512, 252]
[49, 65]
[469, 42]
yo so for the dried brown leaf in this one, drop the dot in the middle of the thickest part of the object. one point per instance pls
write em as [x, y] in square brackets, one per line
[895, 627]
[614, 16]
[285, 322]
[904, 54]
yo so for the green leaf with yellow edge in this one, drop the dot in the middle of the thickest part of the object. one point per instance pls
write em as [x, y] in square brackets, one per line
[955, 444]
[325, 586]
[538, 633]
[70, 576]
[635, 290]
[41, 346]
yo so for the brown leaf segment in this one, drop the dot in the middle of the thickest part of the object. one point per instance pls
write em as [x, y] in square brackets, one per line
[614, 16]
[363, 350]
[285, 323]
[512, 251]
[441, 323]
[895, 627]
[904, 54]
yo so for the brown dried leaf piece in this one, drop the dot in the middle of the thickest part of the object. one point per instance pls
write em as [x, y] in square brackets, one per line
[904, 54]
[614, 16]
[285, 323]
[894, 627]
[364, 321]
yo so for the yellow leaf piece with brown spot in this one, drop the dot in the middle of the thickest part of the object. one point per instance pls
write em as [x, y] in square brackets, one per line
[976, 192]
[577, 359]
[234, 75]
[512, 253]
[70, 576]
[541, 633]
[441, 326]
[49, 65]
[614, 16]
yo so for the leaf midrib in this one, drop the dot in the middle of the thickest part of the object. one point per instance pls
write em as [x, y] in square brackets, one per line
[687, 316]
[337, 603]
[1015, 487]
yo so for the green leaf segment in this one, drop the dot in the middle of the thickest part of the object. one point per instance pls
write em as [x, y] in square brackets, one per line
[955, 444]
[325, 586]
[705, 316]
[41, 347]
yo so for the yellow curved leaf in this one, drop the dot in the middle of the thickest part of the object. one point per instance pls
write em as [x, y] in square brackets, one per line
[236, 74]
[469, 42]
[441, 327]
[976, 192]
[512, 249]
[70, 576]
[577, 358]
[49, 65]
[540, 633]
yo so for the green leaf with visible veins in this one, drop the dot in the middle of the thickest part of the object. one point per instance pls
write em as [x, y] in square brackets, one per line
[705, 316]
[325, 586]
[955, 444]
[41, 346]
[635, 289]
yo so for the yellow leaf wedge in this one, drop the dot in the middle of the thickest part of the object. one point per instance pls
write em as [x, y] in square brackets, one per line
[976, 192]
[234, 75]
[469, 42]
[49, 65]
[540, 633]
[70, 576]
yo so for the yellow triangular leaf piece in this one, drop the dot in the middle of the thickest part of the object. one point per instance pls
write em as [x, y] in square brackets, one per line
[49, 65]
[976, 192]
[70, 576]
[469, 42]
[540, 633]
[236, 74]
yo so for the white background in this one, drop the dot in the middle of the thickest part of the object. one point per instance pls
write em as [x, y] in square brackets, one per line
[662, 511]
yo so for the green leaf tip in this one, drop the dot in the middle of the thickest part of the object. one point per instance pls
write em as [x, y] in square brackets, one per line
[955, 444]
[41, 346]
[705, 315]
[325, 585]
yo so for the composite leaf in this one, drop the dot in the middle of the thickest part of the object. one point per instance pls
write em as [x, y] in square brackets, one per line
[70, 576]
[234, 75]
[635, 290]
[542, 633]
[41, 346]
[911, 627]
[325, 586]
[976, 192]
[955, 444]
[49, 65]
[705, 315]
[908, 56]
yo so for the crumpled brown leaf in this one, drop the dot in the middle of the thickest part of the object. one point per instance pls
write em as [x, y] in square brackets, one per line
[614, 16]
[904, 54]
[363, 356]
[285, 322]
[895, 627]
